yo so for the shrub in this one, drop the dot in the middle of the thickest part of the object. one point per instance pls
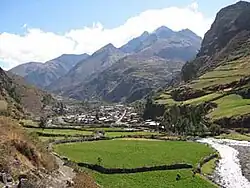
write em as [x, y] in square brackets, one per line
[215, 129]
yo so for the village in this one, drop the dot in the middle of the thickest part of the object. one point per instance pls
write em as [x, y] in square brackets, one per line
[114, 115]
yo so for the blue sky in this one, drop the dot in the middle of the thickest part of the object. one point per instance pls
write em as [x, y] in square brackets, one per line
[62, 15]
[39, 30]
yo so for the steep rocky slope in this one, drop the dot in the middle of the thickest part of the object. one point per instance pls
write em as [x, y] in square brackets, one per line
[220, 73]
[128, 80]
[22, 156]
[18, 97]
[227, 39]
[152, 61]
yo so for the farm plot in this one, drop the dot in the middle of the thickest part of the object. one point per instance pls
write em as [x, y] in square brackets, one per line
[139, 153]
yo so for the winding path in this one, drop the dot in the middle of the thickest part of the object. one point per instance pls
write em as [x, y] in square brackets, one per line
[119, 120]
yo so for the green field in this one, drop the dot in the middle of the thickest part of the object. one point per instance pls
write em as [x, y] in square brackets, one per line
[138, 153]
[195, 101]
[204, 83]
[105, 129]
[230, 105]
[202, 99]
[70, 132]
[234, 136]
[45, 139]
[114, 134]
[61, 131]
[157, 179]
[135, 153]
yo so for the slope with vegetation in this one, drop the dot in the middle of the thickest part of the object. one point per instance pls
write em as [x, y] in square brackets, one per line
[218, 78]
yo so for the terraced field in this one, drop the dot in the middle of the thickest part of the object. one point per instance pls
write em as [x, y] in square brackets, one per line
[205, 98]
[231, 71]
[231, 105]
[139, 153]
[229, 102]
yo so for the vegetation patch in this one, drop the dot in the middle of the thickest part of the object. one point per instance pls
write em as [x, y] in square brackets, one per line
[209, 167]
[157, 179]
[234, 136]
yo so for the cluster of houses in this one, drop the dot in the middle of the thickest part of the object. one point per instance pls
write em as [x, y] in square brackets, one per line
[115, 114]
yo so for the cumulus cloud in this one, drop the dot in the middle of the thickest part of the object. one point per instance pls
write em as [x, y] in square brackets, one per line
[38, 45]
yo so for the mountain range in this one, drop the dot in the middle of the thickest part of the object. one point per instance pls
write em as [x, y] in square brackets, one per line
[113, 74]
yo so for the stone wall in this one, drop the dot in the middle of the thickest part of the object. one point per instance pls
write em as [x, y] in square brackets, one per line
[104, 170]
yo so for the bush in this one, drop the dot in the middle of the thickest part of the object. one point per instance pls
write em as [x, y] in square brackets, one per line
[215, 129]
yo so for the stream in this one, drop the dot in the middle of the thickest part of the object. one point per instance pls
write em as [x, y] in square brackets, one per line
[233, 169]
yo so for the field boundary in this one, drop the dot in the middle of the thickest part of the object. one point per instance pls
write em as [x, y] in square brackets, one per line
[104, 170]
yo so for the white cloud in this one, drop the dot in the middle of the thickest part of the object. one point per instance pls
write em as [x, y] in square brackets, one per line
[38, 45]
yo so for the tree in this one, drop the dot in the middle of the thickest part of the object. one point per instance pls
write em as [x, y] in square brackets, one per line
[99, 161]
[43, 122]
[186, 119]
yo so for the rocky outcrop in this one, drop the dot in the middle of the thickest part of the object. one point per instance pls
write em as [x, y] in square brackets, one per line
[227, 39]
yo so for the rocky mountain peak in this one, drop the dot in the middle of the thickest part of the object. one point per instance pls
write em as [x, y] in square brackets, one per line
[107, 49]
[164, 32]
[188, 32]
[229, 22]
[145, 34]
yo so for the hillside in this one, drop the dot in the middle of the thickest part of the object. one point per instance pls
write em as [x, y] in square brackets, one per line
[128, 80]
[42, 75]
[220, 73]
[25, 69]
[18, 98]
[97, 62]
[23, 155]
[144, 63]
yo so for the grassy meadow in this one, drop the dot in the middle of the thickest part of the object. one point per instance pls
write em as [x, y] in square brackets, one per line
[135, 153]
[138, 153]
[159, 179]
